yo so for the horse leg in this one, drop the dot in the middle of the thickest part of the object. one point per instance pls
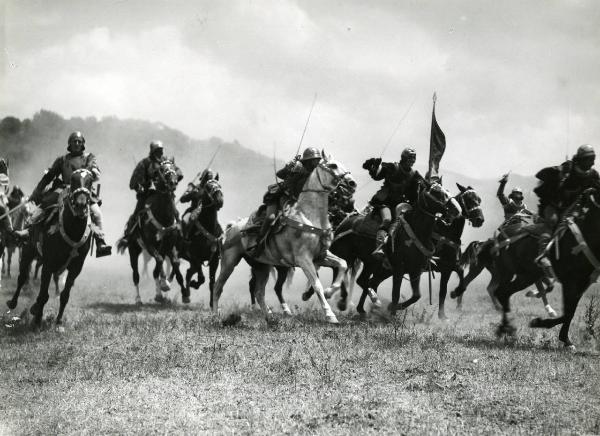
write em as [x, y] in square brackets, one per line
[281, 276]
[444, 277]
[229, 259]
[310, 271]
[38, 307]
[66, 292]
[252, 286]
[160, 282]
[363, 282]
[56, 279]
[461, 283]
[175, 270]
[261, 273]
[503, 293]
[474, 271]
[134, 253]
[397, 277]
[541, 293]
[10, 251]
[213, 265]
[415, 279]
[339, 266]
[24, 268]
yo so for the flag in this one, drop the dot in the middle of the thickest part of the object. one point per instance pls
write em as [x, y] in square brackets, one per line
[437, 145]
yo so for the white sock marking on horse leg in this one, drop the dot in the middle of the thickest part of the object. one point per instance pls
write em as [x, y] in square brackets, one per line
[286, 309]
[550, 311]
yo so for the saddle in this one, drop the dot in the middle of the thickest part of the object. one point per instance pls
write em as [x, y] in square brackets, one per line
[512, 233]
[368, 226]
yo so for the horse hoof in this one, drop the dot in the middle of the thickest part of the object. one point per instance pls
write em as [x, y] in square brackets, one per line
[160, 299]
[306, 296]
[165, 286]
[535, 323]
[138, 302]
[11, 304]
[59, 321]
[332, 319]
[35, 310]
[286, 309]
[570, 348]
[186, 300]
[442, 317]
[342, 305]
[505, 330]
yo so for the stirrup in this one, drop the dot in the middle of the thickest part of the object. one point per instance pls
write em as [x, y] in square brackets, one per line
[102, 249]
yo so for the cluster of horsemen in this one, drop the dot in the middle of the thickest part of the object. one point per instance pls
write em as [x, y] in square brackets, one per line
[409, 210]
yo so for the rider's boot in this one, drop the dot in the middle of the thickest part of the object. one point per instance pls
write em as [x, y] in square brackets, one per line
[260, 240]
[381, 239]
[543, 261]
[102, 248]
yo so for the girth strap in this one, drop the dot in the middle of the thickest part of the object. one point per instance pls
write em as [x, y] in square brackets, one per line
[73, 244]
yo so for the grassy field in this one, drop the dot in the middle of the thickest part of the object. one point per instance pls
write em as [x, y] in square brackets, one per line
[116, 368]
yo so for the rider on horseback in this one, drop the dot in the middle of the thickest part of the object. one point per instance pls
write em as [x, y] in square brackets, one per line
[144, 179]
[401, 185]
[513, 205]
[193, 195]
[59, 174]
[559, 188]
[294, 176]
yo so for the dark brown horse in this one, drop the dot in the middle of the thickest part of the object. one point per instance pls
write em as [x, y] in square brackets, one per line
[65, 241]
[574, 256]
[447, 238]
[204, 240]
[408, 252]
[157, 230]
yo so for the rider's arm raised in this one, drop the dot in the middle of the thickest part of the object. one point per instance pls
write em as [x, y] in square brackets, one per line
[500, 192]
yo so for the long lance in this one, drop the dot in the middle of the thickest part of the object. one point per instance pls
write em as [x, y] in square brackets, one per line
[14, 209]
[390, 138]
[306, 125]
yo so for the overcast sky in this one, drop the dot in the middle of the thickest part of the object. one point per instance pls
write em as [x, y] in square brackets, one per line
[518, 83]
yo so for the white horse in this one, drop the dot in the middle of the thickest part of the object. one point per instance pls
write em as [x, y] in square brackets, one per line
[303, 240]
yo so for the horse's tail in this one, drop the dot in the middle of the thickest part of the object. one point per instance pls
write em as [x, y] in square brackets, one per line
[469, 256]
[122, 245]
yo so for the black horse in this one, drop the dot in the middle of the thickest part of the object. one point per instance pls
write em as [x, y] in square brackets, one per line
[408, 251]
[447, 238]
[574, 256]
[204, 239]
[65, 241]
[157, 230]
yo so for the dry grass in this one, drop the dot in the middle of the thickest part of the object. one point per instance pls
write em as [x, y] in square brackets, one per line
[118, 368]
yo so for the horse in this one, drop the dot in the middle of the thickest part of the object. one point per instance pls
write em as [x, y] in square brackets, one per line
[447, 241]
[341, 204]
[302, 239]
[65, 241]
[6, 227]
[407, 250]
[156, 230]
[478, 256]
[573, 252]
[204, 239]
[20, 216]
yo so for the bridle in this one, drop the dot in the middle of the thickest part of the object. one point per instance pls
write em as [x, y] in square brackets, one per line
[461, 199]
[215, 187]
[336, 177]
[425, 197]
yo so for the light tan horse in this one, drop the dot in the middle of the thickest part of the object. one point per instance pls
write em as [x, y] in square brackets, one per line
[303, 241]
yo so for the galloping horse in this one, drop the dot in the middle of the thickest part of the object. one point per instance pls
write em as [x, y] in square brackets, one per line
[204, 240]
[65, 242]
[574, 255]
[408, 250]
[447, 239]
[157, 230]
[6, 228]
[341, 204]
[303, 239]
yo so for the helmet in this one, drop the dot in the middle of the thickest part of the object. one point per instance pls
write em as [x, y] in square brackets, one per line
[76, 137]
[408, 153]
[310, 153]
[207, 175]
[516, 191]
[155, 146]
[585, 150]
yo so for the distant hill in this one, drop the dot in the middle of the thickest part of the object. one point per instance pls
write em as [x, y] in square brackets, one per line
[32, 144]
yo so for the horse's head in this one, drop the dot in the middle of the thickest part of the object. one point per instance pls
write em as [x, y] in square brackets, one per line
[435, 200]
[328, 174]
[342, 196]
[470, 204]
[80, 193]
[213, 195]
[167, 176]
